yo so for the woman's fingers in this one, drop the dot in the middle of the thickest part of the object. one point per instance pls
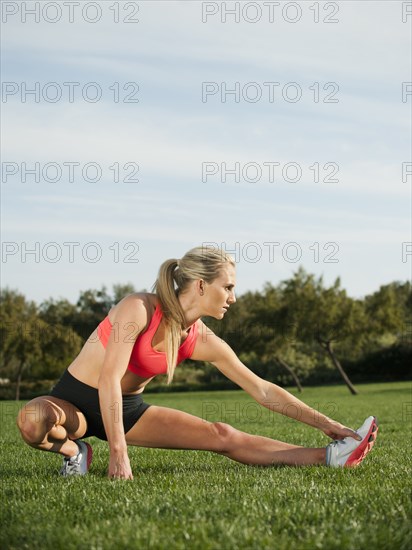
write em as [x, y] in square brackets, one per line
[340, 432]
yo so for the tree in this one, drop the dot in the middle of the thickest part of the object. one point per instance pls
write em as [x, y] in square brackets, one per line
[58, 312]
[274, 340]
[59, 346]
[20, 346]
[326, 315]
[30, 344]
[388, 309]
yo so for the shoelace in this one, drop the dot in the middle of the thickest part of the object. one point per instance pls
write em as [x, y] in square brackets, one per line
[72, 464]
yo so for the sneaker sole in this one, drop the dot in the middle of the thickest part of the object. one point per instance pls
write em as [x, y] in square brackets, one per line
[364, 448]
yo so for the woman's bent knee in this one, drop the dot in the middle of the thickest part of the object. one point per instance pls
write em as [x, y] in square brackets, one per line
[37, 418]
[225, 435]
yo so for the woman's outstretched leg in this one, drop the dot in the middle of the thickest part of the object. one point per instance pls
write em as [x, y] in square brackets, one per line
[263, 451]
[166, 428]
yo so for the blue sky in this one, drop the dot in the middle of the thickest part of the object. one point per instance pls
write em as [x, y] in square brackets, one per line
[122, 231]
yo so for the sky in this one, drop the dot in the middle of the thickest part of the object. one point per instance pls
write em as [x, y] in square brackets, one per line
[134, 131]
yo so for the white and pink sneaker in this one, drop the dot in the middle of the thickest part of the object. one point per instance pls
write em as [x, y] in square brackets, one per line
[348, 452]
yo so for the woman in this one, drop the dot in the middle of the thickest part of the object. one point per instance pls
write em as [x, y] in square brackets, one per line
[148, 334]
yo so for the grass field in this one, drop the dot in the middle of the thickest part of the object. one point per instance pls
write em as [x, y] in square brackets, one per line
[192, 499]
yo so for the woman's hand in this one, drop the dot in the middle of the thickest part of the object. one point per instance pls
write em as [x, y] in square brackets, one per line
[119, 466]
[335, 430]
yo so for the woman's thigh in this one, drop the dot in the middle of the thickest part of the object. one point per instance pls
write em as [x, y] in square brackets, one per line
[166, 428]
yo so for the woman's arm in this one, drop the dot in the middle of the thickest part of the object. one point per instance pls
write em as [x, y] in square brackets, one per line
[211, 348]
[130, 319]
[279, 400]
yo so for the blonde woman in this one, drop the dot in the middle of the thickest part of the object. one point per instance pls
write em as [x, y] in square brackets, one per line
[100, 394]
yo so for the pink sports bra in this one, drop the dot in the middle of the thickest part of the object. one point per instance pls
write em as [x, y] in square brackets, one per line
[144, 360]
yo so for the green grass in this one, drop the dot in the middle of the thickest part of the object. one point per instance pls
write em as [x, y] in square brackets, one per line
[191, 499]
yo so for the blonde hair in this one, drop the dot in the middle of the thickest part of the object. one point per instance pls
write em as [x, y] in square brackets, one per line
[174, 277]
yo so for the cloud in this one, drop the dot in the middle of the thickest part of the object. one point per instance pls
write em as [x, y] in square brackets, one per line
[171, 132]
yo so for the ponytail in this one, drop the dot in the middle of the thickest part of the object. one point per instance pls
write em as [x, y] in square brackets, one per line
[172, 311]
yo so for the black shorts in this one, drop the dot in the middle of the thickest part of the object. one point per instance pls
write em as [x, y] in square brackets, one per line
[86, 398]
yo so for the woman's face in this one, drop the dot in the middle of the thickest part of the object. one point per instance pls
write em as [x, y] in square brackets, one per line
[220, 294]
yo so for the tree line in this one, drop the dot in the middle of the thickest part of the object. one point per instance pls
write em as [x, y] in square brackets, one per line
[300, 332]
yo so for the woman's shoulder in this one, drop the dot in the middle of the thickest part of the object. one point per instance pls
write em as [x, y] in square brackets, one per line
[138, 299]
[209, 345]
[138, 305]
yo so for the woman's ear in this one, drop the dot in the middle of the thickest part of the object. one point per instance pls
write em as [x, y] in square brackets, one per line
[201, 286]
